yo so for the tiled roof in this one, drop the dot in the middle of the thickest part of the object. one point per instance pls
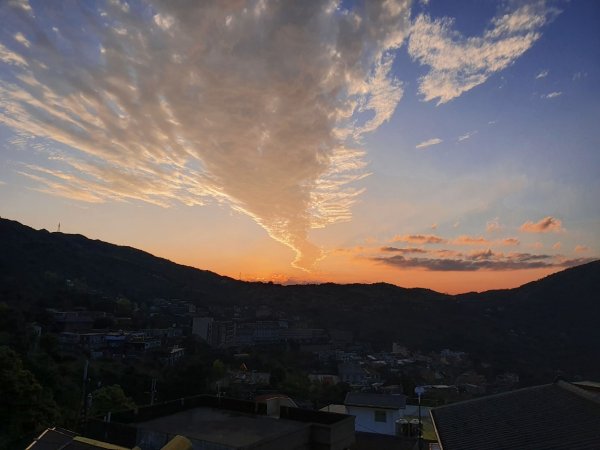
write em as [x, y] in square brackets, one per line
[51, 439]
[367, 399]
[551, 416]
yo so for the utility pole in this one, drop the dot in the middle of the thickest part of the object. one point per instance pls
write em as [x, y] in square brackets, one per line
[152, 391]
[420, 390]
[84, 399]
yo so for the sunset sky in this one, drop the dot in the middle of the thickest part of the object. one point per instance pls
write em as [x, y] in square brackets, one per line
[452, 145]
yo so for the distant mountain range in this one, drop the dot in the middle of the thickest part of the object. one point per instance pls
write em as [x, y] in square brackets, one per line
[541, 329]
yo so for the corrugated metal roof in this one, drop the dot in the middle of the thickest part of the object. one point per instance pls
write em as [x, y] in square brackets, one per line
[552, 416]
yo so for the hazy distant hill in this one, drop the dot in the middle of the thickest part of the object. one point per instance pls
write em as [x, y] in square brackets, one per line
[537, 329]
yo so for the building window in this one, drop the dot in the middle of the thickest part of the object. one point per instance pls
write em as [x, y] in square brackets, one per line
[380, 416]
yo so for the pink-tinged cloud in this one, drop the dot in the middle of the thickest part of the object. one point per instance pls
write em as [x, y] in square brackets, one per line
[403, 250]
[582, 249]
[546, 225]
[510, 241]
[470, 240]
[419, 239]
[557, 246]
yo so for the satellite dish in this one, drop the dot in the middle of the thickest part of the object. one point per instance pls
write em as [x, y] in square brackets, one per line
[419, 390]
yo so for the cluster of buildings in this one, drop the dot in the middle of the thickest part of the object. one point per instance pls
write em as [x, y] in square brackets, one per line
[558, 415]
[77, 335]
[230, 333]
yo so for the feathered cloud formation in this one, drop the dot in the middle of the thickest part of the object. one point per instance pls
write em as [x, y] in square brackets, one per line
[458, 63]
[256, 104]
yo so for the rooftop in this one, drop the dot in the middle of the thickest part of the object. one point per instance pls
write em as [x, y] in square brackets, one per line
[225, 423]
[229, 428]
[552, 416]
[372, 400]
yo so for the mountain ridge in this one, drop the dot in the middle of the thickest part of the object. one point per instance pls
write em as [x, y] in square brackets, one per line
[544, 327]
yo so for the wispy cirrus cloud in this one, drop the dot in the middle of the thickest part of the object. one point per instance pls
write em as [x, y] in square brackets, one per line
[552, 95]
[466, 136]
[194, 102]
[541, 74]
[546, 225]
[429, 143]
[458, 63]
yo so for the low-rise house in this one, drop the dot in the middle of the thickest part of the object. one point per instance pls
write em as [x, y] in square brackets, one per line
[375, 413]
[352, 372]
[75, 320]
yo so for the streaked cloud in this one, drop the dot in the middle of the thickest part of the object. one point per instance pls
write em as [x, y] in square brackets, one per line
[481, 261]
[582, 249]
[261, 106]
[419, 239]
[546, 225]
[458, 63]
[466, 136]
[552, 94]
[429, 143]
[403, 250]
[541, 74]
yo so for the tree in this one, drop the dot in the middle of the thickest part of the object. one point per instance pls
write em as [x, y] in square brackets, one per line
[218, 369]
[26, 406]
[124, 307]
[110, 399]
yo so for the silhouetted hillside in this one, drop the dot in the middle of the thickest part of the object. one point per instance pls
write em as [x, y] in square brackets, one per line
[31, 261]
[540, 329]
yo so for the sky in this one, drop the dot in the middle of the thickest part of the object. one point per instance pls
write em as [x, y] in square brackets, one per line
[446, 145]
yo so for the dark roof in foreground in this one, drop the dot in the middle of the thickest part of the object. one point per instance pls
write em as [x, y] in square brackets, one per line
[61, 439]
[367, 399]
[552, 416]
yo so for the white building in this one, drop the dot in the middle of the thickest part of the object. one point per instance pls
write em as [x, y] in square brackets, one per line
[375, 413]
